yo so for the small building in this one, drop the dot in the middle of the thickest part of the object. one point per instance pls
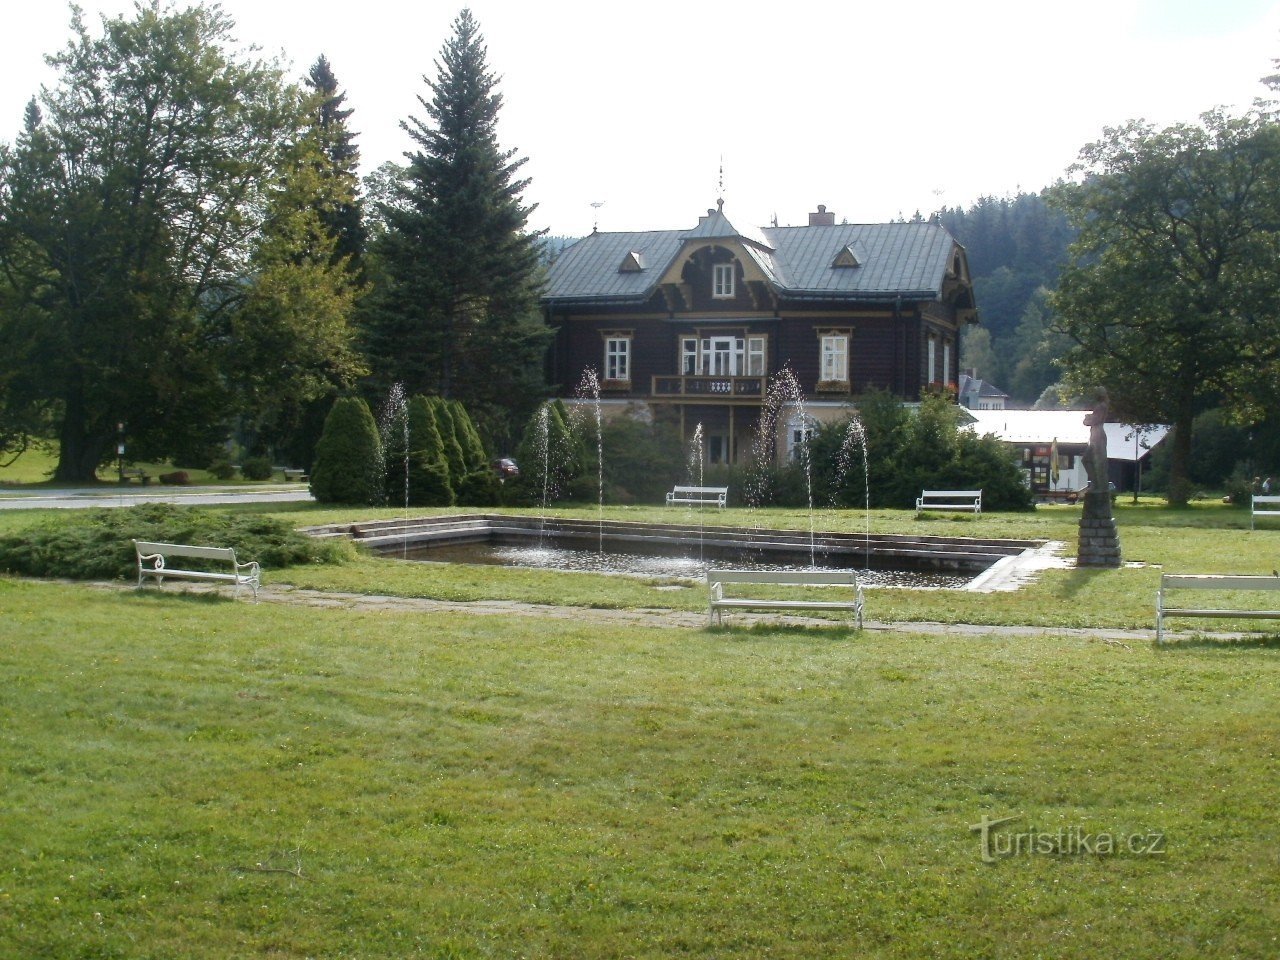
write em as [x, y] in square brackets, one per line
[977, 394]
[1040, 435]
[696, 323]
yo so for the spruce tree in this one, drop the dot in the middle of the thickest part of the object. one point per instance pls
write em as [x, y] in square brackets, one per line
[458, 313]
[341, 214]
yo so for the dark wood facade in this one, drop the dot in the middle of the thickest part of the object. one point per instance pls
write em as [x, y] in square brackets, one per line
[704, 320]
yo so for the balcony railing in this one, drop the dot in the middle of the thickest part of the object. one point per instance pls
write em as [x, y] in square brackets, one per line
[709, 387]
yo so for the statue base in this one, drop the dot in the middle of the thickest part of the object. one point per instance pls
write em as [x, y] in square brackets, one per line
[1099, 543]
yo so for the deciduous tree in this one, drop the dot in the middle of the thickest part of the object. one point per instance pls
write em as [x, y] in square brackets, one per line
[1172, 296]
[127, 212]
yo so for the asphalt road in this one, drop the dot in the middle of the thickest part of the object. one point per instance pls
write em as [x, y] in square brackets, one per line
[44, 498]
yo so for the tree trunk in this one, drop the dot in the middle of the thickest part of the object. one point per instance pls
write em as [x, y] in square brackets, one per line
[1179, 482]
[79, 451]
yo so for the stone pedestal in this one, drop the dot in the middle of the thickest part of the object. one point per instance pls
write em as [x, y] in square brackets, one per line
[1099, 541]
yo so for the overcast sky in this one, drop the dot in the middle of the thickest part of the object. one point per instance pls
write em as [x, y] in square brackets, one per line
[874, 109]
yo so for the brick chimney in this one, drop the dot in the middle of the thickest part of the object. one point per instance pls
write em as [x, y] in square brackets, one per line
[822, 218]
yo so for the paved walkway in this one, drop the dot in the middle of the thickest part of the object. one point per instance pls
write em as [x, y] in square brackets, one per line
[44, 498]
[286, 593]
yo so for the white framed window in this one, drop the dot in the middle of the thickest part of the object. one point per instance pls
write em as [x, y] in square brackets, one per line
[689, 356]
[722, 356]
[617, 358]
[755, 356]
[931, 350]
[835, 358]
[946, 361]
[722, 280]
[800, 431]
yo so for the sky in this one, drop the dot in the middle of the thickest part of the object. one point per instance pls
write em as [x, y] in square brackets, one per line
[639, 116]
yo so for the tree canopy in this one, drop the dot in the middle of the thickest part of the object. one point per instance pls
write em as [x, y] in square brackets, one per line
[131, 211]
[1170, 298]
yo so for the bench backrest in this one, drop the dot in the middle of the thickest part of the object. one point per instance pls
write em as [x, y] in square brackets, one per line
[713, 491]
[820, 577]
[966, 494]
[1212, 581]
[146, 548]
[1269, 500]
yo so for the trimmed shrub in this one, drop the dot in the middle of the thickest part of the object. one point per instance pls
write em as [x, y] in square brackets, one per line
[222, 469]
[453, 453]
[641, 461]
[481, 488]
[430, 484]
[97, 545]
[348, 467]
[907, 453]
[468, 438]
[177, 478]
[552, 468]
[256, 468]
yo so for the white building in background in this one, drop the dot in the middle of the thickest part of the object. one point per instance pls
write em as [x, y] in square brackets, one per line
[1040, 435]
[980, 394]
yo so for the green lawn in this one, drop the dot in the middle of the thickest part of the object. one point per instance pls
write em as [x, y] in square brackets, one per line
[192, 777]
[199, 777]
[35, 468]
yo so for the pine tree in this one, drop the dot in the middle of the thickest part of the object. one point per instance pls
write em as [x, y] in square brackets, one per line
[458, 313]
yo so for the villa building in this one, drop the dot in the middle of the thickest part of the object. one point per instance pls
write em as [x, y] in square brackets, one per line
[697, 323]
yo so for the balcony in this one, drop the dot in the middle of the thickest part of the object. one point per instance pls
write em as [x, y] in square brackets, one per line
[749, 388]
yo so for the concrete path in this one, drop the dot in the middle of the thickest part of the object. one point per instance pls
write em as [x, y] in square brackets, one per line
[44, 498]
[683, 619]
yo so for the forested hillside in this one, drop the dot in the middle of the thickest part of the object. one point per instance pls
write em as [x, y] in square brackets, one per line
[1016, 248]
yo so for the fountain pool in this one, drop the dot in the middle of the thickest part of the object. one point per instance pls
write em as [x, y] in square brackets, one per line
[680, 550]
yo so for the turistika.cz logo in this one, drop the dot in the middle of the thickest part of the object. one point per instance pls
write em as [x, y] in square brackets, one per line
[1071, 841]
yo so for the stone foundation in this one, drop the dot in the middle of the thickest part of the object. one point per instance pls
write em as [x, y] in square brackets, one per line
[1099, 543]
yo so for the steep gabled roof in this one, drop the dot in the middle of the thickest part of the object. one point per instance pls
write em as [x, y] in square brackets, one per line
[907, 260]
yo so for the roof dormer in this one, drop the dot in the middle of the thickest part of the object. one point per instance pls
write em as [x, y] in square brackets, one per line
[633, 262]
[847, 256]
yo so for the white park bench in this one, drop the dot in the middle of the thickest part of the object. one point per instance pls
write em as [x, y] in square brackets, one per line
[716, 580]
[153, 561]
[1270, 507]
[699, 495]
[1216, 582]
[970, 500]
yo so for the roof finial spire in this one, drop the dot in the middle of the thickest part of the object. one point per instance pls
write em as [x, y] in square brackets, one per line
[595, 215]
[720, 186]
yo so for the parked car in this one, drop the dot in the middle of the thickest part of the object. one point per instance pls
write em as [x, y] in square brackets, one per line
[505, 468]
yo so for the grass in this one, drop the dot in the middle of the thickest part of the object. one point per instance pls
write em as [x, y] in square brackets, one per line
[204, 778]
[34, 468]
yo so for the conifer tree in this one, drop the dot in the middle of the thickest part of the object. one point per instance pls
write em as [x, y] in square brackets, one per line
[457, 315]
[429, 483]
[341, 214]
[348, 465]
[468, 437]
[453, 452]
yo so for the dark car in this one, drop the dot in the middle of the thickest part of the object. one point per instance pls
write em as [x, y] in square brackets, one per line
[505, 468]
